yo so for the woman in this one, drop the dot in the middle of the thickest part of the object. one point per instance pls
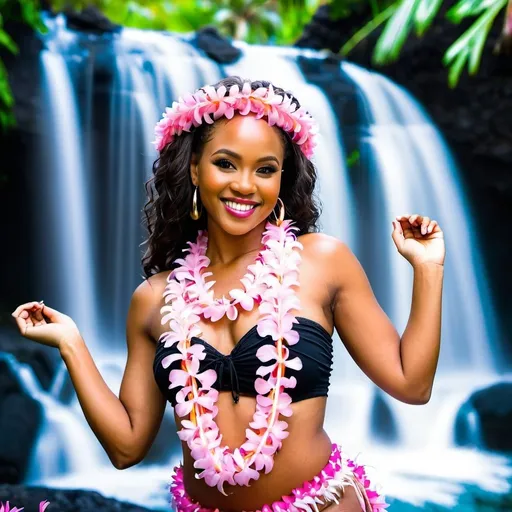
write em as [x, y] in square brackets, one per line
[247, 367]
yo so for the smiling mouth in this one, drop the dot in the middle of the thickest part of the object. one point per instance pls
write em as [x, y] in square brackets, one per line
[240, 207]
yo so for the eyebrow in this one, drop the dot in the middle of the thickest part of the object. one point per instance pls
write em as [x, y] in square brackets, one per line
[236, 155]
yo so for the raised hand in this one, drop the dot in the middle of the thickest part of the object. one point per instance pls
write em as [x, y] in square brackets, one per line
[47, 326]
[419, 239]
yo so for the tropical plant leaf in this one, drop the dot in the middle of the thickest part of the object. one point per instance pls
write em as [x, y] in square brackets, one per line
[425, 13]
[457, 67]
[7, 41]
[476, 51]
[467, 8]
[6, 97]
[469, 46]
[31, 13]
[395, 32]
[483, 23]
[365, 31]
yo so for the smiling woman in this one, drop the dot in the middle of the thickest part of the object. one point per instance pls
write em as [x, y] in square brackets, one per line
[248, 377]
[253, 156]
[240, 183]
[183, 145]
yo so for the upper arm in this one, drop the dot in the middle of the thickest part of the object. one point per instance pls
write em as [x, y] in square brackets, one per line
[365, 329]
[139, 392]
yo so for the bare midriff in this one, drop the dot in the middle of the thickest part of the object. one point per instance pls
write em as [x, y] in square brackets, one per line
[304, 453]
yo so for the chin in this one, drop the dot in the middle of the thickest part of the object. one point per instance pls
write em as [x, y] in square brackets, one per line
[242, 226]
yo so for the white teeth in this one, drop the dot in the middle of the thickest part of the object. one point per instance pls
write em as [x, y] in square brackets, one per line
[240, 207]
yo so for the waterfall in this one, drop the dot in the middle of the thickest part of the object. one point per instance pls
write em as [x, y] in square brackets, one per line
[422, 178]
[69, 274]
[93, 202]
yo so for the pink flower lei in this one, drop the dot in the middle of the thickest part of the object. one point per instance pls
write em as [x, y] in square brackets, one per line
[209, 104]
[269, 283]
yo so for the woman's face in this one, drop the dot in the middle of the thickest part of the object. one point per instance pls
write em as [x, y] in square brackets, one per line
[239, 173]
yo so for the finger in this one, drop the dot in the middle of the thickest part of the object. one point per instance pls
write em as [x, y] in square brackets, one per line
[21, 324]
[52, 314]
[431, 226]
[407, 229]
[37, 313]
[424, 224]
[415, 219]
[27, 305]
[30, 320]
[398, 227]
[397, 234]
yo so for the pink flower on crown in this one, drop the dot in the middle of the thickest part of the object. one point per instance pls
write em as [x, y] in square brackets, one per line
[208, 104]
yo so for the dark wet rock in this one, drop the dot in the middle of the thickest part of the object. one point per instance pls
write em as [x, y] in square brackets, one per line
[485, 419]
[42, 359]
[90, 19]
[216, 46]
[328, 31]
[21, 416]
[20, 420]
[68, 500]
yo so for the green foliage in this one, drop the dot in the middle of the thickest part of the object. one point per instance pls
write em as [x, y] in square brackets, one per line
[29, 10]
[354, 158]
[253, 21]
[467, 50]
[402, 17]
[293, 17]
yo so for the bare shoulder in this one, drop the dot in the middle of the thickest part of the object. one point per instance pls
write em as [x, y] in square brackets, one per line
[325, 249]
[146, 300]
[328, 261]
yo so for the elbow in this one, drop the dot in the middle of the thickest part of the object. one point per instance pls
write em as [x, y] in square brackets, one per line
[124, 462]
[418, 397]
[419, 400]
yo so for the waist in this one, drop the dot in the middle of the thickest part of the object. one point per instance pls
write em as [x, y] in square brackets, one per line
[307, 450]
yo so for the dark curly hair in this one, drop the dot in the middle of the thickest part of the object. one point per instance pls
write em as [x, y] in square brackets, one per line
[170, 190]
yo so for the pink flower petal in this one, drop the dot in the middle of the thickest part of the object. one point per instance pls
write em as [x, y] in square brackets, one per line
[183, 409]
[267, 353]
[294, 364]
[178, 378]
[262, 386]
[207, 378]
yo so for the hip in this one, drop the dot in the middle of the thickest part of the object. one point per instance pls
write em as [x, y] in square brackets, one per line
[286, 488]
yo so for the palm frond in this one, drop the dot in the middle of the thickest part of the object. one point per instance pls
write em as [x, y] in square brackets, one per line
[468, 48]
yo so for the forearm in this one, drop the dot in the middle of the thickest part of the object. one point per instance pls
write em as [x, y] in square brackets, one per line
[420, 343]
[102, 409]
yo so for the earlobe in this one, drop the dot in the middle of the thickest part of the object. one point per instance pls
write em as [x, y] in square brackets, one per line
[193, 171]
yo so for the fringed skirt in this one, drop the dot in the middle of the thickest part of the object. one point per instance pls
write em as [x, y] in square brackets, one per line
[324, 489]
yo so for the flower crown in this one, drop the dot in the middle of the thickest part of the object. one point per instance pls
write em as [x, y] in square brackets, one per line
[209, 104]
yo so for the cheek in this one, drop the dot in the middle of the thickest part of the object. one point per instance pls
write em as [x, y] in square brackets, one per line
[273, 187]
[211, 178]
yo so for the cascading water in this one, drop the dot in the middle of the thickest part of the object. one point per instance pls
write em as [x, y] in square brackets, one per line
[409, 170]
[70, 276]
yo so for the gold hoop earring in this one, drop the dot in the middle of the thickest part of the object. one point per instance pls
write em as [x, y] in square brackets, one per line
[279, 219]
[195, 213]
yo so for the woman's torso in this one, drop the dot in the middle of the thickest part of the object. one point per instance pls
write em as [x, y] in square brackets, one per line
[307, 448]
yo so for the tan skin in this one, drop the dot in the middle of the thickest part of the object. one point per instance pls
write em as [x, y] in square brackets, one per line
[334, 291]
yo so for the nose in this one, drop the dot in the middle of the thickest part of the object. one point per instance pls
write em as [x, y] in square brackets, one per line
[243, 183]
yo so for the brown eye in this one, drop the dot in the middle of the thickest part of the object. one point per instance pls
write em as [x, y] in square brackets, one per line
[267, 170]
[223, 163]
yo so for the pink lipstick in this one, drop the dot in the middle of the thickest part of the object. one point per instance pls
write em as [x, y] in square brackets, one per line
[238, 213]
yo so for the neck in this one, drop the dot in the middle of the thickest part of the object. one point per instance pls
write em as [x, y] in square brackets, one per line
[225, 248]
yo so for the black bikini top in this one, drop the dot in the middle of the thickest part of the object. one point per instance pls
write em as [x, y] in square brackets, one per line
[236, 372]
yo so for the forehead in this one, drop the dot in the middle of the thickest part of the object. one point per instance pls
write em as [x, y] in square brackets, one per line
[246, 133]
